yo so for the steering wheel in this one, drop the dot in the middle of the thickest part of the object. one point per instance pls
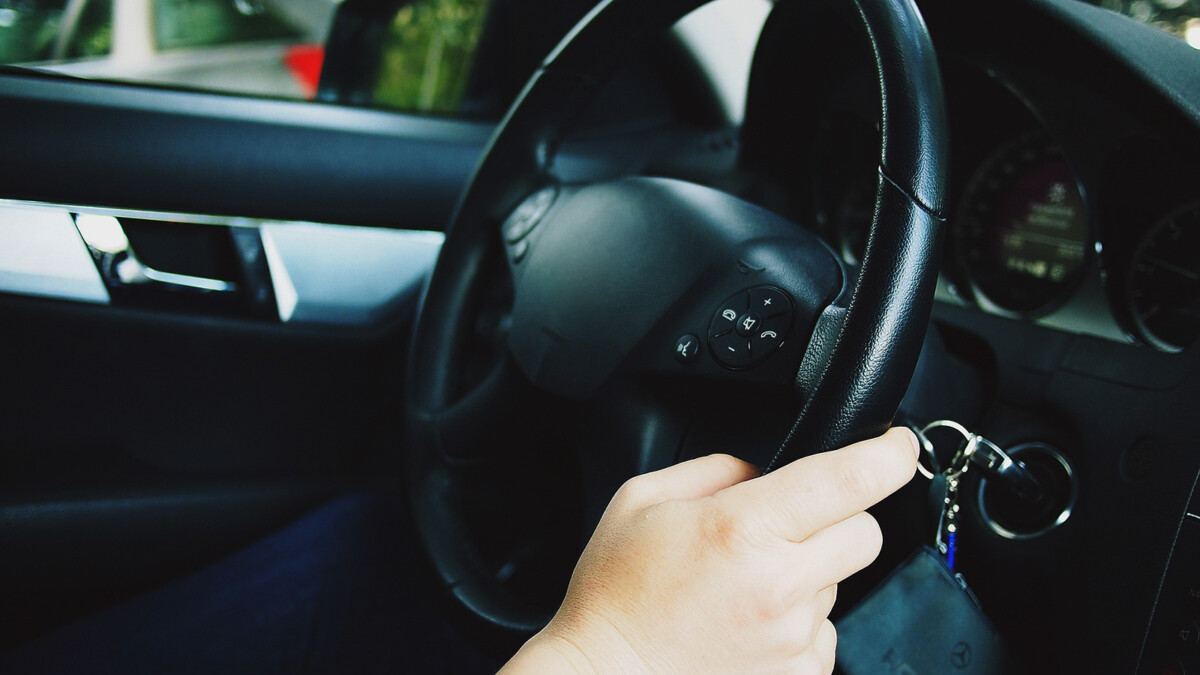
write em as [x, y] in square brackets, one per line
[661, 318]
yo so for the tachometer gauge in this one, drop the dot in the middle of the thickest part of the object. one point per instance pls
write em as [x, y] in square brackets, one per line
[1021, 233]
[1163, 284]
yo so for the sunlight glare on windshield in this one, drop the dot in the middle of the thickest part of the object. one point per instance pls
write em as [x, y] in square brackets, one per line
[1180, 18]
[1192, 33]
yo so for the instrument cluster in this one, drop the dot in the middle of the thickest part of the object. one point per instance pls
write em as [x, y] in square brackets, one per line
[1066, 217]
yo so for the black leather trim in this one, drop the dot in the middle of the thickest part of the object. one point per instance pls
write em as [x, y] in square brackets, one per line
[914, 123]
[869, 353]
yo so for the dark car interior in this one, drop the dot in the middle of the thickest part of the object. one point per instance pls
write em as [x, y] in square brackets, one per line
[148, 435]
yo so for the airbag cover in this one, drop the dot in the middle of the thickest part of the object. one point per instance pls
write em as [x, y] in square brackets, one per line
[612, 258]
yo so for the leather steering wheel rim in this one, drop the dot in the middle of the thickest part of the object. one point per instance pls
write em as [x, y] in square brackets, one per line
[861, 356]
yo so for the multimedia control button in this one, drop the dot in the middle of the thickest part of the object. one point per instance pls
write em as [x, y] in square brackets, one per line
[747, 324]
[769, 335]
[1186, 635]
[687, 348]
[768, 301]
[727, 317]
[731, 350]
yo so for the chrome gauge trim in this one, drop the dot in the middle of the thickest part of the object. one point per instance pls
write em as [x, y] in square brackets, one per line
[997, 183]
[1141, 263]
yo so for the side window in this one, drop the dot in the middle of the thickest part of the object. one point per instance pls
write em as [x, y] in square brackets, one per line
[459, 57]
[190, 24]
[46, 30]
[469, 57]
[257, 47]
[88, 31]
[429, 53]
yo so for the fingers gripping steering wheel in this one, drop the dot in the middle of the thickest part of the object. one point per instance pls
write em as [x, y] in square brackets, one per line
[606, 277]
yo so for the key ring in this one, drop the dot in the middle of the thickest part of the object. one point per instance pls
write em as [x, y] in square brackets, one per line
[927, 448]
[961, 460]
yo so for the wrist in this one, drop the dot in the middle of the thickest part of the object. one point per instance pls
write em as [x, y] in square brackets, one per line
[546, 653]
[594, 647]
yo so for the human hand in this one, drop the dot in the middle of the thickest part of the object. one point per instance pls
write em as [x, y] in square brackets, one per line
[697, 568]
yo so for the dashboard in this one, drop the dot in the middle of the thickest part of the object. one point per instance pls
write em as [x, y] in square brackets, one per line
[1065, 209]
[1073, 201]
[1068, 301]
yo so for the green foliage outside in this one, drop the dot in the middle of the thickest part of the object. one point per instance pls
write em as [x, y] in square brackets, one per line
[428, 55]
[30, 31]
[182, 24]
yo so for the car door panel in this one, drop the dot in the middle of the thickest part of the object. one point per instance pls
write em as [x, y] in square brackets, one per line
[103, 144]
[139, 440]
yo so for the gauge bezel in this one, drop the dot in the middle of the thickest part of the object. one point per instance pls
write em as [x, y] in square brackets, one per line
[963, 242]
[1136, 323]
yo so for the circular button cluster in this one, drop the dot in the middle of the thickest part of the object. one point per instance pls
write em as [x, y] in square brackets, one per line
[749, 326]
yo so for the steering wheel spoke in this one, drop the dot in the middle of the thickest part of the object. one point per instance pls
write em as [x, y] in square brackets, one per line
[503, 419]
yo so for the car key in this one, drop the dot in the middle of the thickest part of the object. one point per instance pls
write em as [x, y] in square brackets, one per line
[980, 452]
[996, 464]
[989, 457]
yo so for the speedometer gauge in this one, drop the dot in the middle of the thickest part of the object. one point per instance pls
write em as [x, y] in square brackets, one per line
[1021, 234]
[1163, 286]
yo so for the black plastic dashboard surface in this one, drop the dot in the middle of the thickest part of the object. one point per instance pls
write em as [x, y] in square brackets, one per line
[1074, 130]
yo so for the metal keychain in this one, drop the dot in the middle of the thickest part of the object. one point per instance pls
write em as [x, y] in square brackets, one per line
[947, 523]
[947, 532]
[977, 450]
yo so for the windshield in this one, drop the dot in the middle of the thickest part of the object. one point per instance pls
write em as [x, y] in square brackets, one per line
[1180, 18]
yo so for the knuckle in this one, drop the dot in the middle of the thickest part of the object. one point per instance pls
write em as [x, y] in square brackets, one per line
[636, 491]
[726, 530]
[732, 465]
[860, 481]
[770, 605]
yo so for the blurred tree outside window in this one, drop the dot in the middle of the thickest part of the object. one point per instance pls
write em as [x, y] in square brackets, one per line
[50, 30]
[428, 55]
[92, 34]
[180, 24]
[275, 47]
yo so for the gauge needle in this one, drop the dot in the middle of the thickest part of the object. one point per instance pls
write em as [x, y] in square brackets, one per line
[1181, 271]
